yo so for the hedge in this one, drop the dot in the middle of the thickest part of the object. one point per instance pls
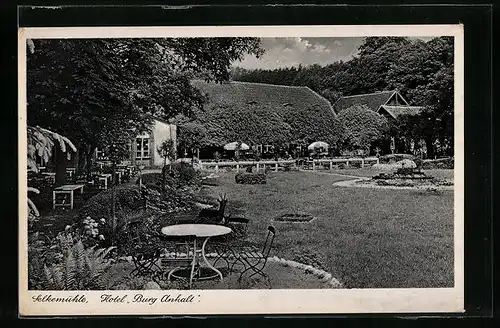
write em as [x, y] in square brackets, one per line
[251, 178]
[128, 200]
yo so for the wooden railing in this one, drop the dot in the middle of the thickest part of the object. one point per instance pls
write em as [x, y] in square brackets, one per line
[241, 164]
[262, 164]
[347, 161]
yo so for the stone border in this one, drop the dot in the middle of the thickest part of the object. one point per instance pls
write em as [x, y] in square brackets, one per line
[322, 275]
[354, 184]
[294, 222]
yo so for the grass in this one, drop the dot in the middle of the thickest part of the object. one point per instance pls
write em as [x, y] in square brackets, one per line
[367, 238]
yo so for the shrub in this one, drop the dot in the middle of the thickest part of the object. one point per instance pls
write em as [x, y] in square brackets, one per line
[128, 199]
[58, 263]
[210, 182]
[80, 269]
[178, 175]
[250, 178]
[173, 200]
[42, 200]
[442, 163]
[393, 158]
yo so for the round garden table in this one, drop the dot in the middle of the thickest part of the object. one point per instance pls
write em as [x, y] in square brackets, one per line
[201, 231]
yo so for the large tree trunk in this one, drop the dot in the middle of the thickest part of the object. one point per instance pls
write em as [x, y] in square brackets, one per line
[60, 166]
[164, 176]
[429, 144]
[88, 159]
[81, 159]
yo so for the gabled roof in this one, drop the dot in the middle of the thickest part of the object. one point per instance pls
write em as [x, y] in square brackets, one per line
[261, 113]
[267, 95]
[397, 111]
[371, 100]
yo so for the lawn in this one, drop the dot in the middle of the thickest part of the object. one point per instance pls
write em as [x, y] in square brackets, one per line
[367, 238]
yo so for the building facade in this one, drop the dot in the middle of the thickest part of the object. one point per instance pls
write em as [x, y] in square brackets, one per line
[143, 149]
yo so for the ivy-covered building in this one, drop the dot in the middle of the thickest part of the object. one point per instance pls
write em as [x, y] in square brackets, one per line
[264, 115]
[390, 104]
[143, 149]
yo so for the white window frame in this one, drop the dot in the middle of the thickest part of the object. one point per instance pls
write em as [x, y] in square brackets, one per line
[100, 154]
[140, 142]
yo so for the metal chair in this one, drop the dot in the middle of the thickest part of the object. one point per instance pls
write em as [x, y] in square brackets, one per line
[255, 259]
[145, 254]
[223, 245]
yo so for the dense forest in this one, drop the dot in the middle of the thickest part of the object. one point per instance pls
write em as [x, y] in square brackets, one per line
[421, 70]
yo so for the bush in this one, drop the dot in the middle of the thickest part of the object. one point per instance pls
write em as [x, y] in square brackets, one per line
[393, 158]
[442, 163]
[210, 182]
[250, 178]
[128, 199]
[81, 269]
[43, 200]
[68, 261]
[178, 175]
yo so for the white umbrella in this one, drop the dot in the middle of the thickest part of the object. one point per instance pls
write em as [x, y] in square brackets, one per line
[234, 145]
[317, 144]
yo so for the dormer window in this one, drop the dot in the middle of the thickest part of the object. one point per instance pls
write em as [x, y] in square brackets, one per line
[287, 104]
[251, 102]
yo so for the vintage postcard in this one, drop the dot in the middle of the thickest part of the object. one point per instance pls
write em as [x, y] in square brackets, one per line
[241, 170]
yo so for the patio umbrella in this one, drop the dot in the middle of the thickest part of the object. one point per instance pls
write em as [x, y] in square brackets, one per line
[234, 145]
[317, 144]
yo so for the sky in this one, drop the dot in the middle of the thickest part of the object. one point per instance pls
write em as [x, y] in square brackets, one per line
[285, 52]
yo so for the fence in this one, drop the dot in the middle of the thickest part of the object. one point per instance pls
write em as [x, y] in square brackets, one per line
[331, 162]
[242, 164]
[275, 165]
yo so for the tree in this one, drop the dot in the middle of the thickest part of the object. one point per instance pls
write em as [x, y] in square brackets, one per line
[117, 148]
[424, 75]
[41, 142]
[363, 126]
[192, 136]
[94, 82]
[167, 151]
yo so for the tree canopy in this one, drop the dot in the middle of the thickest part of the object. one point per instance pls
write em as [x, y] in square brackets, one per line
[363, 126]
[422, 71]
[93, 89]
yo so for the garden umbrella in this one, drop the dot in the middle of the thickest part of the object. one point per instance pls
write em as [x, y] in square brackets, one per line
[234, 145]
[317, 144]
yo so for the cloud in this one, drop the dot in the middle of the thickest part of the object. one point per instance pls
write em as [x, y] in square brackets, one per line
[280, 52]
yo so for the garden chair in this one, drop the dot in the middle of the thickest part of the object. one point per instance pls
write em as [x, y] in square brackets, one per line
[255, 259]
[144, 251]
[223, 245]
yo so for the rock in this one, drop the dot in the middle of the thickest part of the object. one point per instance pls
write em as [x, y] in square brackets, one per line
[151, 285]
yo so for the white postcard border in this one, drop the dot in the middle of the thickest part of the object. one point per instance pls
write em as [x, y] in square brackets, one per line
[427, 300]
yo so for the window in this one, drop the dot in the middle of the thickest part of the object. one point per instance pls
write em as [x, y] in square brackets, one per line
[142, 147]
[100, 155]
